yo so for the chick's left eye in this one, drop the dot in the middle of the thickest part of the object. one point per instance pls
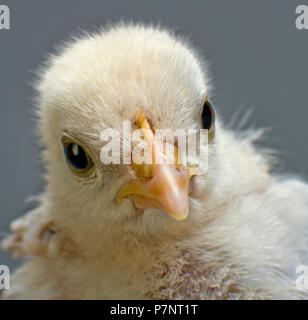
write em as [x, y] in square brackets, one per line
[208, 118]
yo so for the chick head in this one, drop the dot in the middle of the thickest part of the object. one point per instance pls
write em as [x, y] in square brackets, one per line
[148, 78]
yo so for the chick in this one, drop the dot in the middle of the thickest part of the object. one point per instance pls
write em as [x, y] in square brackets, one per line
[143, 231]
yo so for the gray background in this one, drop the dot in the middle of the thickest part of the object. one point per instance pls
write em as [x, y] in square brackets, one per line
[258, 57]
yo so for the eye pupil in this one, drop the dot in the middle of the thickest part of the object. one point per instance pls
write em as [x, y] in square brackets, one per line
[207, 116]
[77, 156]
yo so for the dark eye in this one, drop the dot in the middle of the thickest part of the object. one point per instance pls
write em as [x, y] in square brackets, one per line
[208, 118]
[77, 158]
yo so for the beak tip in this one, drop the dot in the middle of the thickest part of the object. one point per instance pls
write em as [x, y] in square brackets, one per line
[179, 216]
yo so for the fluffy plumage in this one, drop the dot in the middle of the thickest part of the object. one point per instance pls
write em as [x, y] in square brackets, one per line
[246, 231]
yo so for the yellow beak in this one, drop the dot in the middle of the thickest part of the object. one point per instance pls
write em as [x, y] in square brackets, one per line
[161, 186]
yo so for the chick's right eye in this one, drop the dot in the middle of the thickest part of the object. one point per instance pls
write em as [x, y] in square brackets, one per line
[77, 158]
